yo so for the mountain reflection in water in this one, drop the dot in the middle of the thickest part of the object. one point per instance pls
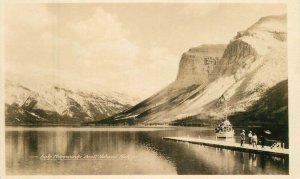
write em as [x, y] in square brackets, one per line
[136, 151]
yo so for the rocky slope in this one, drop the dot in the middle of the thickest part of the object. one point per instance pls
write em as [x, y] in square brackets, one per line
[40, 104]
[240, 74]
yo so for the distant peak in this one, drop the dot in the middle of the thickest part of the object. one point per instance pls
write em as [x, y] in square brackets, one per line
[271, 23]
[281, 18]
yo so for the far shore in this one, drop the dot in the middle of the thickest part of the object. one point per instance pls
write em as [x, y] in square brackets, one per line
[131, 126]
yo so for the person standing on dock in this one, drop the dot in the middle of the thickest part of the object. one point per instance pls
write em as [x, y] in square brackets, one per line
[254, 140]
[243, 137]
[263, 140]
[250, 137]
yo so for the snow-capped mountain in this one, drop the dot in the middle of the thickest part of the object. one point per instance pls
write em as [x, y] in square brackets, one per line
[242, 74]
[28, 102]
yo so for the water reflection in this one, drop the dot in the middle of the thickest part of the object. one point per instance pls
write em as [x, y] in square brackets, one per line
[147, 153]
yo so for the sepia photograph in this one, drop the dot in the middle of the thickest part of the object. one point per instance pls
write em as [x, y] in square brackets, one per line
[129, 88]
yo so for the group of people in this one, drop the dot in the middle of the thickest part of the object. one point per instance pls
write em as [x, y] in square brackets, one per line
[252, 139]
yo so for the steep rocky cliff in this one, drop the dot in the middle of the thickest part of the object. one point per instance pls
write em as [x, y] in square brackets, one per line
[241, 74]
[197, 65]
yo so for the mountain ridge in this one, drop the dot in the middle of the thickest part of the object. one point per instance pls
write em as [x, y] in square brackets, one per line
[252, 63]
[54, 104]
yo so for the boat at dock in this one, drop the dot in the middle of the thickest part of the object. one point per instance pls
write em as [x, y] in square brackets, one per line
[225, 130]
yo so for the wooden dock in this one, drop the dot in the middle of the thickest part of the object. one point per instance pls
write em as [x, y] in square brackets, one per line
[232, 146]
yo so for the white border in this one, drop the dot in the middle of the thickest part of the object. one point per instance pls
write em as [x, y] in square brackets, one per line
[293, 12]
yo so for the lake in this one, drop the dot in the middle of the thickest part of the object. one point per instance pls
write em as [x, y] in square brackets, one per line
[121, 150]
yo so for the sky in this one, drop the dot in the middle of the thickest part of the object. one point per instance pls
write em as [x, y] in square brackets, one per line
[131, 48]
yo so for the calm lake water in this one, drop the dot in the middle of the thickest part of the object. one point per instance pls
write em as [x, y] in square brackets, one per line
[105, 151]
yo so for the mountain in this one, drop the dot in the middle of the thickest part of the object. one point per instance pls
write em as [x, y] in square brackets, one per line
[241, 73]
[41, 103]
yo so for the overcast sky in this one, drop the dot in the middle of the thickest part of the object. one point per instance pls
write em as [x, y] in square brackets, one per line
[131, 48]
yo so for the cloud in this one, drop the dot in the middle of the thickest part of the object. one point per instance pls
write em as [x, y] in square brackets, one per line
[94, 49]
[26, 26]
[99, 43]
[99, 49]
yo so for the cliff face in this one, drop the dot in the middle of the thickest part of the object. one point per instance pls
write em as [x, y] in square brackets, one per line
[253, 62]
[197, 65]
[234, 56]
